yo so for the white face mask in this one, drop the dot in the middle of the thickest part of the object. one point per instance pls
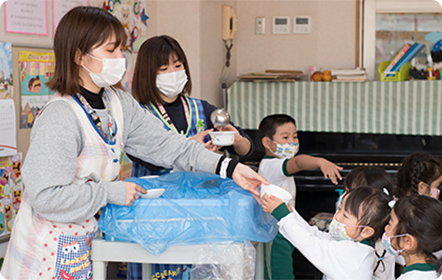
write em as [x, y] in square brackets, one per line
[172, 84]
[111, 73]
[386, 243]
[287, 150]
[338, 231]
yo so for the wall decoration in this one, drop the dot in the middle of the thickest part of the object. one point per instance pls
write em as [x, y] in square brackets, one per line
[61, 7]
[11, 191]
[27, 17]
[133, 17]
[8, 135]
[35, 68]
[6, 82]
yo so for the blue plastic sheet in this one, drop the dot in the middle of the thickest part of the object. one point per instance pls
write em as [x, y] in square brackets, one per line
[196, 208]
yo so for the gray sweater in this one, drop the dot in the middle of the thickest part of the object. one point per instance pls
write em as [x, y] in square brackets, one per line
[57, 141]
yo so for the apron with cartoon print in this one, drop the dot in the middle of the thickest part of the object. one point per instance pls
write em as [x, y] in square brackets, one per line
[42, 249]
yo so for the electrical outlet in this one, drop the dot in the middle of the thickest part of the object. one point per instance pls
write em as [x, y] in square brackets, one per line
[260, 25]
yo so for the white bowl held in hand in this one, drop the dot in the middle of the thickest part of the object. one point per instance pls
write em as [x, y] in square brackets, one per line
[153, 193]
[222, 138]
[273, 190]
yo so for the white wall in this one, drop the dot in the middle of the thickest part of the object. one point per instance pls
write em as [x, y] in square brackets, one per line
[331, 43]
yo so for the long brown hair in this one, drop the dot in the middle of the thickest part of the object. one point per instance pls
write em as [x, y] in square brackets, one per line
[81, 29]
[154, 53]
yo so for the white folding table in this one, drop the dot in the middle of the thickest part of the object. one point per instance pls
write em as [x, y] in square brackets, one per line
[115, 251]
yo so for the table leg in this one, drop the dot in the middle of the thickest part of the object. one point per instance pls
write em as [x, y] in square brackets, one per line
[147, 271]
[259, 266]
[99, 270]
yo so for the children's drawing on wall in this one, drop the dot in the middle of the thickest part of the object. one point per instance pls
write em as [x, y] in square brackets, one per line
[36, 69]
[11, 191]
[6, 84]
[133, 17]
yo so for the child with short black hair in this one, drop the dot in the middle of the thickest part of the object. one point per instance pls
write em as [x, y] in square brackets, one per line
[415, 232]
[279, 138]
[419, 174]
[347, 250]
[371, 176]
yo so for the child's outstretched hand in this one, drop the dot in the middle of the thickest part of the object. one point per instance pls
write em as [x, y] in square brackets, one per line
[330, 170]
[270, 203]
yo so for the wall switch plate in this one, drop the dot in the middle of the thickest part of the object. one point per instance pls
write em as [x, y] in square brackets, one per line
[260, 25]
[302, 24]
[281, 25]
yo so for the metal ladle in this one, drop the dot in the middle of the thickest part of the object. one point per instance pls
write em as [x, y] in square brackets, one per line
[220, 118]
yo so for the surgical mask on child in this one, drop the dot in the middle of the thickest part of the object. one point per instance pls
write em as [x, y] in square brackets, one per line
[287, 150]
[111, 73]
[434, 193]
[172, 84]
[338, 231]
[386, 243]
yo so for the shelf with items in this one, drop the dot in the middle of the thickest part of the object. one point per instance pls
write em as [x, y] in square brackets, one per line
[402, 75]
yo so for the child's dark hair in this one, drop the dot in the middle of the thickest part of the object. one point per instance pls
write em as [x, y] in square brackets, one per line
[370, 206]
[268, 125]
[421, 217]
[417, 167]
[370, 176]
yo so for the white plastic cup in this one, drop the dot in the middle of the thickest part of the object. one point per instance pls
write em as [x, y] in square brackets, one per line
[276, 191]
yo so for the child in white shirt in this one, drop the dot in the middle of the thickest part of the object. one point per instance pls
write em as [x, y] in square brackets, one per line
[279, 138]
[415, 232]
[346, 252]
[378, 178]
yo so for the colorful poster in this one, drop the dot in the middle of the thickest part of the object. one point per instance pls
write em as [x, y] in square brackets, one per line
[8, 135]
[11, 191]
[26, 16]
[6, 83]
[133, 17]
[61, 7]
[36, 69]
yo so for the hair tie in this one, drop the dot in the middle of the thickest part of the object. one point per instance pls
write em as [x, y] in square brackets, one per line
[392, 203]
[386, 191]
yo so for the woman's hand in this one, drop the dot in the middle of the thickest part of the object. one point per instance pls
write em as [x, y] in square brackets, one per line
[248, 179]
[330, 170]
[132, 190]
[230, 127]
[200, 139]
[270, 203]
[240, 144]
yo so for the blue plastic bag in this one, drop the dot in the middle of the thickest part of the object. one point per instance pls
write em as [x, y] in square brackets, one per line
[196, 208]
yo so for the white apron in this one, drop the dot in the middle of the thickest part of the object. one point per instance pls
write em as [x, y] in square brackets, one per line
[43, 249]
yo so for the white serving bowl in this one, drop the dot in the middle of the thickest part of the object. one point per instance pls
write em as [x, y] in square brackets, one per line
[152, 193]
[222, 138]
[273, 190]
